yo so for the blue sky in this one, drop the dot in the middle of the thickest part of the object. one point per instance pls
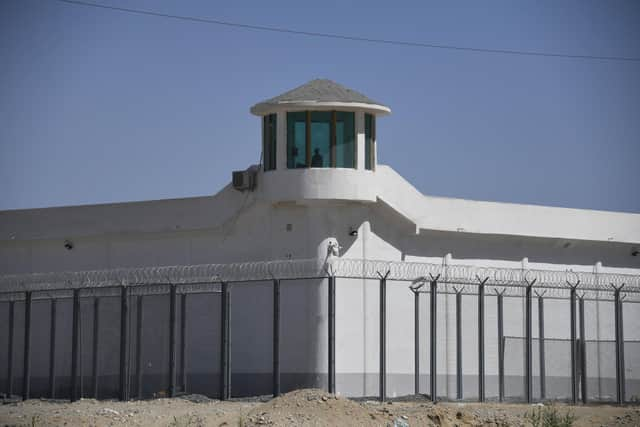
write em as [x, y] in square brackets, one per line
[102, 106]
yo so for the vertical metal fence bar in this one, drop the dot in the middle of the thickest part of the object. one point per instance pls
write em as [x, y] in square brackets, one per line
[26, 372]
[543, 374]
[583, 353]
[459, 344]
[616, 315]
[52, 349]
[80, 347]
[139, 349]
[96, 345]
[528, 347]
[621, 340]
[225, 370]
[481, 393]
[416, 342]
[75, 345]
[383, 338]
[500, 297]
[10, 348]
[276, 337]
[183, 342]
[434, 340]
[124, 341]
[619, 336]
[574, 371]
[172, 340]
[331, 380]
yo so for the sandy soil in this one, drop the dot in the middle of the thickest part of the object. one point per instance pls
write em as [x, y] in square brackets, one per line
[298, 408]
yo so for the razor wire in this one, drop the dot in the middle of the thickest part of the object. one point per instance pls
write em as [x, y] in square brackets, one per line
[556, 282]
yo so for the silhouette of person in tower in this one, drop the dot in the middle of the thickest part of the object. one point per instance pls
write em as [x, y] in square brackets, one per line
[316, 160]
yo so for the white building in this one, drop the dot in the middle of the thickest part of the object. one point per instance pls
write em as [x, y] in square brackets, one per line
[319, 184]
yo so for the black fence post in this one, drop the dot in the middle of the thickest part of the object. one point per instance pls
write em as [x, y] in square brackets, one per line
[622, 364]
[619, 336]
[481, 392]
[458, 343]
[172, 341]
[434, 338]
[583, 352]
[139, 332]
[75, 345]
[331, 380]
[383, 336]
[26, 372]
[52, 349]
[529, 343]
[10, 348]
[416, 341]
[124, 342]
[574, 365]
[276, 337]
[96, 345]
[500, 296]
[225, 370]
[543, 374]
[183, 341]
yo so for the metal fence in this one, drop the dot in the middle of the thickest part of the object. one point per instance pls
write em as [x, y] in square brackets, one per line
[107, 319]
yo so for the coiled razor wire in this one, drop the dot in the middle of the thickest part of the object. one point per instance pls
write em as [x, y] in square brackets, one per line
[597, 284]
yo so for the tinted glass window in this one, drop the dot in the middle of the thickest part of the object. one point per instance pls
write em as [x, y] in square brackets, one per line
[320, 139]
[345, 140]
[296, 140]
[369, 139]
[269, 141]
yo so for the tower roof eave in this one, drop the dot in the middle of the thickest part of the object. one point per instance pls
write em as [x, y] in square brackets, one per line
[320, 94]
[265, 108]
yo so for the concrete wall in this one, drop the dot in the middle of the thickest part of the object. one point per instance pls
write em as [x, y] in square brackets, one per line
[292, 215]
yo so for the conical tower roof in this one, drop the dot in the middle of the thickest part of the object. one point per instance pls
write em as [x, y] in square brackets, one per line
[319, 94]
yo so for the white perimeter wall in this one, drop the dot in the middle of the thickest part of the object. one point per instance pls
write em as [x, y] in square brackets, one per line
[259, 230]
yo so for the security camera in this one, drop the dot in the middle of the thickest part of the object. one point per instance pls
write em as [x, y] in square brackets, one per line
[635, 252]
[353, 232]
[68, 245]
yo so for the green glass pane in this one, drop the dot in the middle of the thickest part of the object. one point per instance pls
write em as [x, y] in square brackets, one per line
[269, 142]
[345, 140]
[320, 139]
[368, 140]
[265, 142]
[273, 140]
[296, 140]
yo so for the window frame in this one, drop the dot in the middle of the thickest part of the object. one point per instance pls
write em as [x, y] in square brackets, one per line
[332, 140]
[269, 142]
[370, 159]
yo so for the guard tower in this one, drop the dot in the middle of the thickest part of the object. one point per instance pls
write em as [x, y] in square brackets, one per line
[319, 142]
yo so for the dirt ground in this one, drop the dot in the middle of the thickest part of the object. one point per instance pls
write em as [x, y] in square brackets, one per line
[299, 408]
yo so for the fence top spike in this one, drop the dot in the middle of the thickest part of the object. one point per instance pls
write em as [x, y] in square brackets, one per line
[415, 286]
[616, 288]
[383, 276]
[482, 281]
[572, 286]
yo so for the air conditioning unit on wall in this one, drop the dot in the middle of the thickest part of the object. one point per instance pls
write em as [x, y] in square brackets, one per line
[244, 180]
